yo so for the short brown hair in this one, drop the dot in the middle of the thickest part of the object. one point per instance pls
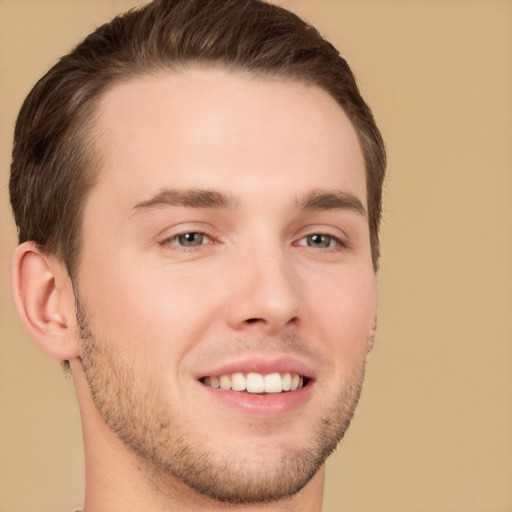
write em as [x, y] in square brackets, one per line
[53, 166]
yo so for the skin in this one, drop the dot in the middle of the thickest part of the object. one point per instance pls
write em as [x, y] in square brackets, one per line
[155, 316]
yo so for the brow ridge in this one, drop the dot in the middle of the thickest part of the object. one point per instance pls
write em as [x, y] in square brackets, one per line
[191, 198]
[318, 199]
[331, 200]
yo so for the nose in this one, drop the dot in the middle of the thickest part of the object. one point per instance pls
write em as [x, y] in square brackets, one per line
[265, 294]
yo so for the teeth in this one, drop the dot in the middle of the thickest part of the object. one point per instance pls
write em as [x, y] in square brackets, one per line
[238, 382]
[273, 383]
[256, 382]
[295, 382]
[287, 382]
[225, 382]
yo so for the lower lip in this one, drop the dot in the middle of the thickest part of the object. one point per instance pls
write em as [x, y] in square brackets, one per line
[265, 406]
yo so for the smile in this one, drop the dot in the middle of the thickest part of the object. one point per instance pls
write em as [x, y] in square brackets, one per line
[257, 383]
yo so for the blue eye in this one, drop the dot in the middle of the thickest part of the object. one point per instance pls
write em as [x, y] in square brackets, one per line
[190, 239]
[320, 241]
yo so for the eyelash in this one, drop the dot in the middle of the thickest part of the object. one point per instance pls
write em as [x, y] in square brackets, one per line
[171, 240]
[338, 243]
[335, 243]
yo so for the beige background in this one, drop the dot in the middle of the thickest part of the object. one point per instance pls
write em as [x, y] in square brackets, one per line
[434, 429]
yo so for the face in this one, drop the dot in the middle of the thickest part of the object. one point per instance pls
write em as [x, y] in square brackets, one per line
[226, 287]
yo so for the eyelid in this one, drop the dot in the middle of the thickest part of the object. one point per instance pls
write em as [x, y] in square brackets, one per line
[166, 236]
[338, 241]
[175, 238]
[331, 231]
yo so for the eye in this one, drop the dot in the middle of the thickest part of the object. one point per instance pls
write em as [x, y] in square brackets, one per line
[320, 241]
[192, 239]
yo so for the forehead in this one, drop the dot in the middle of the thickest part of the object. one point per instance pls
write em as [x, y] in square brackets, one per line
[205, 128]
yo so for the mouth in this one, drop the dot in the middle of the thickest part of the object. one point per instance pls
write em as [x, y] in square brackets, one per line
[260, 388]
[257, 383]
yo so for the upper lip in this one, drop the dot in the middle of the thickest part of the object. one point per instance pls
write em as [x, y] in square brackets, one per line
[261, 365]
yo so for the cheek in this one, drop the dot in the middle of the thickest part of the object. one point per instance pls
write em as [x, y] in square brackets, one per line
[345, 314]
[158, 309]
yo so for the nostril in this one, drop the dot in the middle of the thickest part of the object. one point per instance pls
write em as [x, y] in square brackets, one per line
[250, 321]
[253, 320]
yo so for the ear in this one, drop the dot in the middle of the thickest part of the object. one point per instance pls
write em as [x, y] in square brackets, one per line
[370, 342]
[44, 297]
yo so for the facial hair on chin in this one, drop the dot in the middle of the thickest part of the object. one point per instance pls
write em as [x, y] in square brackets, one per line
[129, 401]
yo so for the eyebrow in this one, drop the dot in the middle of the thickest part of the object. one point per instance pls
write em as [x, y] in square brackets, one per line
[191, 198]
[331, 200]
[213, 199]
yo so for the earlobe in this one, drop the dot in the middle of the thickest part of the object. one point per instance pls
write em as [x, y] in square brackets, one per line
[44, 298]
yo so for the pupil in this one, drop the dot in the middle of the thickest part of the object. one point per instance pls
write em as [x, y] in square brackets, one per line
[191, 239]
[319, 240]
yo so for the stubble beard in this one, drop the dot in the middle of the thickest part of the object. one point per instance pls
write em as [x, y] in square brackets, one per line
[127, 398]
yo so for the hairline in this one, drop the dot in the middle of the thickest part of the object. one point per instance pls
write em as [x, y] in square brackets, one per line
[90, 134]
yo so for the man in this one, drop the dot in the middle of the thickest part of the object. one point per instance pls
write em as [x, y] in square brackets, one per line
[197, 188]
